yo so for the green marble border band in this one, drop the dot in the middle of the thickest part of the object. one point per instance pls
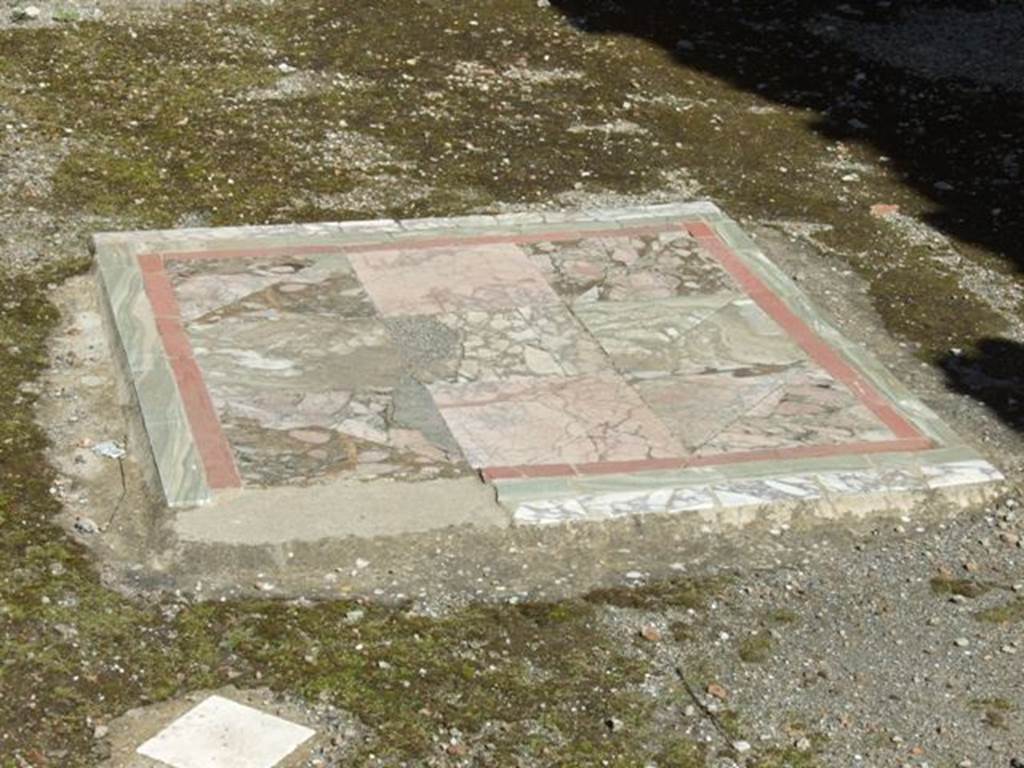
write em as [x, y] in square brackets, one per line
[152, 390]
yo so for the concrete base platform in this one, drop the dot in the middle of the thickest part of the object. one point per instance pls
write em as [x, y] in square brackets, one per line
[375, 378]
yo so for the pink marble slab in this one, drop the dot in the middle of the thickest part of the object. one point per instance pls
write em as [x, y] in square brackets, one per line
[553, 422]
[428, 281]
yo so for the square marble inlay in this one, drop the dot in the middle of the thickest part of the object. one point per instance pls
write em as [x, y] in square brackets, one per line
[220, 733]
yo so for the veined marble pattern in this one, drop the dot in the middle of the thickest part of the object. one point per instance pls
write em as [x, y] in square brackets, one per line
[955, 473]
[742, 493]
[210, 289]
[543, 421]
[266, 349]
[692, 334]
[312, 390]
[870, 481]
[630, 268]
[760, 408]
[811, 408]
[738, 337]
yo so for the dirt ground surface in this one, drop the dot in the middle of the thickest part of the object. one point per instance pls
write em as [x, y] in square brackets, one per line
[874, 149]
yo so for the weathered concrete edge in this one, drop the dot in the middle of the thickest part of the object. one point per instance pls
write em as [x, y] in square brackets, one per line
[340, 509]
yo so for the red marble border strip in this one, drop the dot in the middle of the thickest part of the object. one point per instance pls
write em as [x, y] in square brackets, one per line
[516, 239]
[247, 253]
[214, 450]
[820, 352]
[905, 445]
[530, 471]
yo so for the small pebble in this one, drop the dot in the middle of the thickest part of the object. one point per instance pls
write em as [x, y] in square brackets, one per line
[28, 13]
[614, 725]
[714, 689]
[86, 525]
[651, 633]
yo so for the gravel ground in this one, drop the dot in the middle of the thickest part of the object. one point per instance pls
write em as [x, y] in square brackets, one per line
[889, 643]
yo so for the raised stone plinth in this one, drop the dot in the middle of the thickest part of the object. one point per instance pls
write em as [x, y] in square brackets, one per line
[393, 376]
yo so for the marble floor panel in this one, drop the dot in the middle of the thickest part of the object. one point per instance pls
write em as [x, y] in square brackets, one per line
[314, 391]
[221, 732]
[760, 408]
[581, 364]
[210, 289]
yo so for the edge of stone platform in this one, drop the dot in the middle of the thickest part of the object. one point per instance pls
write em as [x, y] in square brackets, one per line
[835, 485]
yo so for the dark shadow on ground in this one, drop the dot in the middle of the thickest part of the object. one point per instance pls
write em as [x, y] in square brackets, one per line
[992, 373]
[938, 87]
[956, 136]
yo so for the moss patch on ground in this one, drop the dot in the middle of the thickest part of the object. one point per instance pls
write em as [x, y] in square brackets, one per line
[674, 593]
[1009, 612]
[258, 113]
[73, 653]
[948, 586]
[755, 648]
[246, 113]
[253, 113]
[996, 712]
[786, 758]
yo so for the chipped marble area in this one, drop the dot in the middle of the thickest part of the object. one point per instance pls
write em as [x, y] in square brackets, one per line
[474, 345]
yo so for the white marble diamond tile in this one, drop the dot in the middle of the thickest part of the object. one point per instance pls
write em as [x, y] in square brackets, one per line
[220, 733]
